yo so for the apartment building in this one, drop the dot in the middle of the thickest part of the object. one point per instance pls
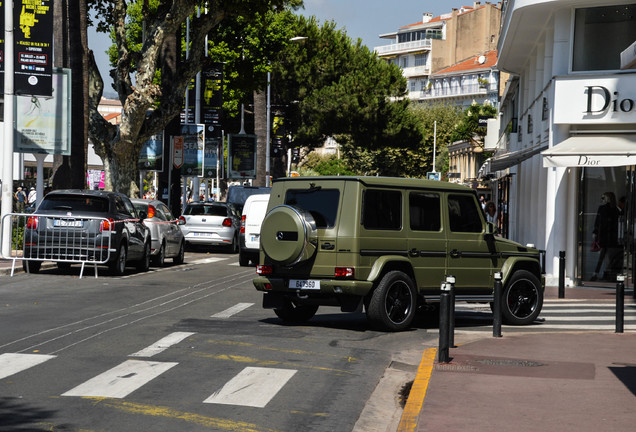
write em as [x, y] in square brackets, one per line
[567, 144]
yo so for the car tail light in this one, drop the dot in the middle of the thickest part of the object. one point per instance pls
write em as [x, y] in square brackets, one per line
[107, 224]
[227, 222]
[264, 270]
[243, 224]
[151, 211]
[32, 222]
[182, 220]
[344, 272]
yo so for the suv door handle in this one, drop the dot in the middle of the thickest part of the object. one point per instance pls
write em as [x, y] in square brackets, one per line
[455, 253]
[414, 253]
[327, 246]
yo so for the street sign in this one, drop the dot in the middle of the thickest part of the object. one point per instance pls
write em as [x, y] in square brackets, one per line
[177, 151]
[433, 175]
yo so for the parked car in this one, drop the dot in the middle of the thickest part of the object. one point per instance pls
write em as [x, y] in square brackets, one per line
[73, 226]
[166, 237]
[386, 244]
[252, 217]
[211, 224]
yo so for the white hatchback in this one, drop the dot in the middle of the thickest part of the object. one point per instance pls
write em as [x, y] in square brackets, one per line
[211, 224]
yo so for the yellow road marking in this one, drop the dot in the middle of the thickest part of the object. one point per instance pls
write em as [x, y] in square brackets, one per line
[349, 359]
[410, 415]
[218, 424]
[244, 359]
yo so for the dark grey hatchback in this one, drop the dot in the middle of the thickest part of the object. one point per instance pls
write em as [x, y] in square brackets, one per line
[79, 226]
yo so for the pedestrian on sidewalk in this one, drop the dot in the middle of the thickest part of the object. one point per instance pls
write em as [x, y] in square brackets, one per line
[20, 200]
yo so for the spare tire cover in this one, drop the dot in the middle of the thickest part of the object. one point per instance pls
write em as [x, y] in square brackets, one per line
[288, 235]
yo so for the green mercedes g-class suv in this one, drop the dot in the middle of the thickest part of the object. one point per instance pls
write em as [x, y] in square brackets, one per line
[386, 244]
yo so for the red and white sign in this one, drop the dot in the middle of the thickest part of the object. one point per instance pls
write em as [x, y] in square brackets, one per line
[177, 151]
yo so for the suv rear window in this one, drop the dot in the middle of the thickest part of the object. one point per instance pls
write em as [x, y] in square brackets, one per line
[321, 203]
[76, 203]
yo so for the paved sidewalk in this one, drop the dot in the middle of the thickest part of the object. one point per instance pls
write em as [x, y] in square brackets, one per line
[565, 381]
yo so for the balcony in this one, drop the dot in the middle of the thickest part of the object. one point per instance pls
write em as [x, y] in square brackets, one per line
[416, 71]
[405, 47]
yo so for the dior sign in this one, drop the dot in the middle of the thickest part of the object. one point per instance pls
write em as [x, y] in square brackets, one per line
[595, 100]
[599, 96]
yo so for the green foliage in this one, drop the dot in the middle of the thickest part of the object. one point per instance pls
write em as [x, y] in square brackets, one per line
[327, 165]
[468, 128]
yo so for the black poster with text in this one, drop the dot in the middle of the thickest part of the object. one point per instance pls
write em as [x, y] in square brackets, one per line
[33, 23]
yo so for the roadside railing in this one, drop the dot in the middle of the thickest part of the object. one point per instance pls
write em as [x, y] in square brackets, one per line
[62, 239]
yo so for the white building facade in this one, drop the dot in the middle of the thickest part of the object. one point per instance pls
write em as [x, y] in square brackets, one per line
[568, 134]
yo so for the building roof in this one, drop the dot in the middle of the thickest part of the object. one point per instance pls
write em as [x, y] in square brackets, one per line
[476, 63]
[445, 17]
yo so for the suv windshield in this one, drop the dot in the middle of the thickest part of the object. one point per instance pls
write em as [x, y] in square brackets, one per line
[321, 203]
[76, 203]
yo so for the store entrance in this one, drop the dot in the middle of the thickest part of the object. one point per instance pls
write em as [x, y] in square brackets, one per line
[606, 236]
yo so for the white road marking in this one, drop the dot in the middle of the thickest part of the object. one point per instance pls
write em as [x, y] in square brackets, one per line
[12, 363]
[207, 260]
[121, 380]
[232, 311]
[162, 344]
[253, 387]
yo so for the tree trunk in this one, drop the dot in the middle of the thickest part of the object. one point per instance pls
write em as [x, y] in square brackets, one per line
[260, 130]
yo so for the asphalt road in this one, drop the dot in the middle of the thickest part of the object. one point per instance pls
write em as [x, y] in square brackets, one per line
[189, 348]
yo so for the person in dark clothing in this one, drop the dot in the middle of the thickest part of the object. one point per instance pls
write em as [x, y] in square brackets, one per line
[606, 234]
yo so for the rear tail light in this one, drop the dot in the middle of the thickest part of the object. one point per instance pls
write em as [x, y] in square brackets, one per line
[182, 220]
[243, 224]
[32, 222]
[264, 270]
[344, 272]
[227, 222]
[151, 211]
[107, 225]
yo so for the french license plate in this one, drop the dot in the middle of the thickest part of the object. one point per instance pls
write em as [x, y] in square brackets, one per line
[304, 284]
[198, 234]
[68, 223]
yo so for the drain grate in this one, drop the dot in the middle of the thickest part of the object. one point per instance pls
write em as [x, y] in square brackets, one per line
[508, 362]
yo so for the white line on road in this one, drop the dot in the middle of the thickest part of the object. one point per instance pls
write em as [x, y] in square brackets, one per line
[162, 344]
[121, 380]
[253, 387]
[232, 311]
[11, 363]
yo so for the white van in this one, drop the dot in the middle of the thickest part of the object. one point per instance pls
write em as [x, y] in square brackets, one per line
[251, 219]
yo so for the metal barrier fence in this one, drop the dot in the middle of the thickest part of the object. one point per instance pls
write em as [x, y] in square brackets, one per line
[62, 239]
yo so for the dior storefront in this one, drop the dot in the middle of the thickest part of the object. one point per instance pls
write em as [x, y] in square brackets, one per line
[596, 118]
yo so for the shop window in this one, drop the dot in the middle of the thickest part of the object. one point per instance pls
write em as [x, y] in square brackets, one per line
[601, 34]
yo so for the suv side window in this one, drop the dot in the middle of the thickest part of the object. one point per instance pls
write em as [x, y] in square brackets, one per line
[382, 209]
[321, 203]
[464, 214]
[425, 211]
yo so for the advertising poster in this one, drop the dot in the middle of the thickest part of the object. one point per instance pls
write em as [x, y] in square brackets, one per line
[212, 96]
[43, 124]
[151, 156]
[33, 35]
[211, 157]
[241, 157]
[192, 150]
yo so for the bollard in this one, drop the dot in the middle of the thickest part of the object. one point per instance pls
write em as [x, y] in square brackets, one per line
[620, 303]
[444, 315]
[450, 281]
[561, 274]
[496, 322]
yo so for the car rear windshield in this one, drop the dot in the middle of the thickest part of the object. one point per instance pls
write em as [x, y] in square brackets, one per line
[321, 203]
[75, 203]
[208, 210]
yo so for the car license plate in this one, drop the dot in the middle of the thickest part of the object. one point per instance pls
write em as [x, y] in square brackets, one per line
[304, 284]
[198, 234]
[254, 238]
[68, 223]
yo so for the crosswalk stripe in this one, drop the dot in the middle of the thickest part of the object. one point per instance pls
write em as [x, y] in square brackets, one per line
[162, 344]
[207, 260]
[121, 380]
[253, 387]
[12, 363]
[232, 311]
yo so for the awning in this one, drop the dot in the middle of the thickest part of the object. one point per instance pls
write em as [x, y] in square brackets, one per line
[506, 160]
[592, 151]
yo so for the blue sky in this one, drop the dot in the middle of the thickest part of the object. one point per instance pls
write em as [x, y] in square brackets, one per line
[364, 19]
